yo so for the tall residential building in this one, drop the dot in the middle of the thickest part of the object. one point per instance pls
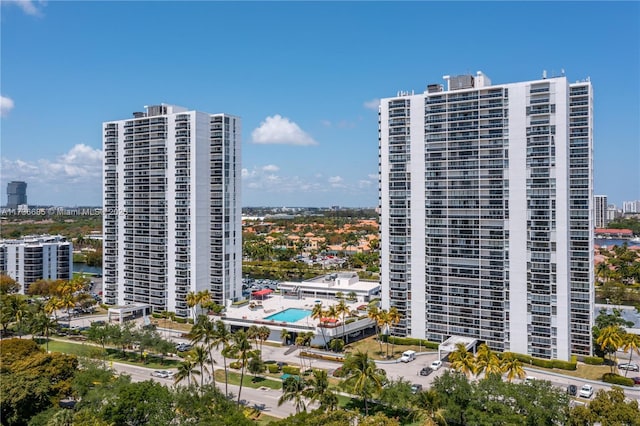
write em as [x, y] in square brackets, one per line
[631, 206]
[600, 211]
[172, 213]
[16, 194]
[486, 213]
[36, 257]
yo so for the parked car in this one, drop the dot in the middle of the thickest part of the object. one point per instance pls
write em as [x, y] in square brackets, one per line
[183, 347]
[161, 374]
[636, 380]
[415, 388]
[436, 365]
[426, 371]
[408, 356]
[572, 390]
[529, 380]
[630, 366]
[586, 391]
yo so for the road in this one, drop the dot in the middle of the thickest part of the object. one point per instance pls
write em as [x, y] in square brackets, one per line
[394, 369]
[265, 399]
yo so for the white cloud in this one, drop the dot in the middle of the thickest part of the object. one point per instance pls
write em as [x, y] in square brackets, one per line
[372, 104]
[30, 7]
[281, 130]
[372, 176]
[6, 105]
[336, 182]
[271, 168]
[71, 179]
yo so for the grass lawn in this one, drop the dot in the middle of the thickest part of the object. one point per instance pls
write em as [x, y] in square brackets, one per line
[371, 345]
[266, 419]
[584, 371]
[92, 351]
[248, 381]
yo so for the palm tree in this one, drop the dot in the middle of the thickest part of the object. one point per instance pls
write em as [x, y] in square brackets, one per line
[512, 366]
[222, 337]
[42, 323]
[292, 389]
[285, 336]
[253, 333]
[263, 334]
[317, 313]
[199, 356]
[487, 361]
[186, 370]
[241, 349]
[610, 339]
[362, 376]
[192, 301]
[343, 309]
[394, 319]
[318, 390]
[631, 343]
[374, 314]
[204, 331]
[428, 406]
[462, 360]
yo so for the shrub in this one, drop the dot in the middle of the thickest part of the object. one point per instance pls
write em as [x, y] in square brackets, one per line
[273, 368]
[617, 379]
[565, 365]
[181, 320]
[338, 372]
[350, 320]
[157, 315]
[593, 360]
[290, 369]
[236, 365]
[409, 341]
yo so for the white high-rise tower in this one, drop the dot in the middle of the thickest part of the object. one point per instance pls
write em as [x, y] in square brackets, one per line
[172, 212]
[486, 213]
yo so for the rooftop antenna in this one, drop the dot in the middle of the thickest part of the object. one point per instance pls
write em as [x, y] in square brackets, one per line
[544, 74]
[562, 72]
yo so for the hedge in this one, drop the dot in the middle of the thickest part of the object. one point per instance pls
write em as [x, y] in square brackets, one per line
[273, 368]
[547, 363]
[181, 320]
[410, 341]
[593, 360]
[290, 369]
[235, 365]
[325, 357]
[617, 379]
[157, 315]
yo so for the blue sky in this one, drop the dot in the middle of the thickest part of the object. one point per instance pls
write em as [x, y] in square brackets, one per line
[303, 76]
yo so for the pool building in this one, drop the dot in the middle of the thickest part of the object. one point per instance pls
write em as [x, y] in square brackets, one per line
[290, 307]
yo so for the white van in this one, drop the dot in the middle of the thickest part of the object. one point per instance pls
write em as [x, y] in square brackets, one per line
[408, 356]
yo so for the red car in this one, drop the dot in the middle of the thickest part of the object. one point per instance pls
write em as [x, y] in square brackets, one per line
[636, 380]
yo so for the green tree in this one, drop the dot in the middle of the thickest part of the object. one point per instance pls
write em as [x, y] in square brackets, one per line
[631, 344]
[143, 403]
[256, 365]
[187, 370]
[342, 309]
[204, 331]
[222, 339]
[610, 340]
[317, 313]
[8, 285]
[200, 357]
[487, 361]
[362, 376]
[285, 335]
[318, 390]
[427, 407]
[242, 350]
[42, 324]
[512, 366]
[374, 314]
[462, 360]
[607, 408]
[292, 390]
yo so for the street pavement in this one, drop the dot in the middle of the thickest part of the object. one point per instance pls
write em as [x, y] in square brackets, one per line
[394, 370]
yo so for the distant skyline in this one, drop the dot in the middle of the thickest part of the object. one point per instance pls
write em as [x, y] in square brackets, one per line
[305, 77]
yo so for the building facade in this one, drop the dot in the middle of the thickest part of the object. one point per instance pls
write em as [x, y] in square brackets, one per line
[32, 258]
[16, 194]
[486, 213]
[172, 212]
[600, 211]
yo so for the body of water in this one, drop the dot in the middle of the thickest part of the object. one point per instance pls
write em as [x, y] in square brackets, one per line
[289, 315]
[614, 242]
[83, 267]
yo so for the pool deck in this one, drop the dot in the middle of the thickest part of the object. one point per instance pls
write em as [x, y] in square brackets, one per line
[275, 303]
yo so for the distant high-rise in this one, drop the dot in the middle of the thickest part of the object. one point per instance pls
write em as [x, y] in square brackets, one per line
[631, 206]
[486, 213]
[36, 257]
[16, 194]
[600, 208]
[172, 212]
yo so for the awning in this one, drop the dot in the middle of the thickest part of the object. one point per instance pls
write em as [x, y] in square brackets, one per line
[262, 292]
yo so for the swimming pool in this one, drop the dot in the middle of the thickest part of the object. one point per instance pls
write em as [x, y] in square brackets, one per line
[289, 315]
